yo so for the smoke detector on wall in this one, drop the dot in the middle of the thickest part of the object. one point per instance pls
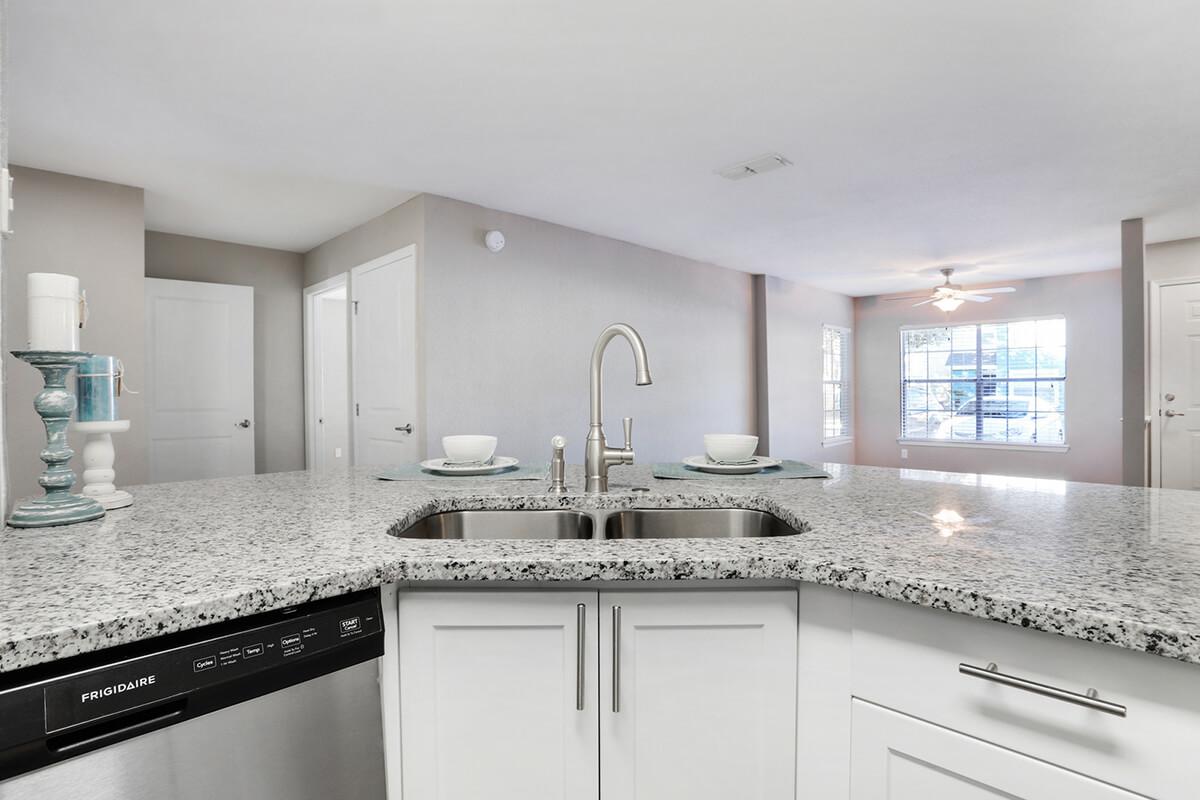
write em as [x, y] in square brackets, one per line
[494, 240]
[754, 166]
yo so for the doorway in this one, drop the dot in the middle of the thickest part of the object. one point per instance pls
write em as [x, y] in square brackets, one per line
[383, 344]
[1175, 383]
[199, 380]
[360, 366]
[327, 375]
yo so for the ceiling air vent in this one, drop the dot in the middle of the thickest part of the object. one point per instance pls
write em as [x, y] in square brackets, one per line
[755, 166]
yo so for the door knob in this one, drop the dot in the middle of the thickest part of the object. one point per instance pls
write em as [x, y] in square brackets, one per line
[406, 429]
[1171, 413]
[243, 424]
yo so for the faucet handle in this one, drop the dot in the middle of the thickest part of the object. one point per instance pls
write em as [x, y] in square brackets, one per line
[558, 467]
[628, 423]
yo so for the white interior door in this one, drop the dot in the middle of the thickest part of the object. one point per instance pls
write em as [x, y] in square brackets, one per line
[498, 695]
[704, 686]
[1179, 382]
[199, 379]
[897, 757]
[327, 375]
[384, 307]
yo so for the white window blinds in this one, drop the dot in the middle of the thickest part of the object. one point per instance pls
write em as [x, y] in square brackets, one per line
[837, 369]
[1000, 382]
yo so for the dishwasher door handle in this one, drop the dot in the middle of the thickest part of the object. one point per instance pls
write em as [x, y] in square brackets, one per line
[138, 722]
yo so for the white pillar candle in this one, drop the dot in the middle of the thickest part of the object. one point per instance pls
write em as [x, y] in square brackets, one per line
[55, 311]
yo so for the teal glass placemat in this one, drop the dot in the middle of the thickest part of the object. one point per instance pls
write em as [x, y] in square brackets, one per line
[415, 472]
[788, 469]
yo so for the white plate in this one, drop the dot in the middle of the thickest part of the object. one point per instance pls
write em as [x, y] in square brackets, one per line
[499, 464]
[704, 465]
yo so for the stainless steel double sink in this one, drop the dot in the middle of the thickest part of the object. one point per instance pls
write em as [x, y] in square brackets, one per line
[639, 523]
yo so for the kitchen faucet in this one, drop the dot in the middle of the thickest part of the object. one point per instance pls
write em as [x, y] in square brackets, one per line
[598, 456]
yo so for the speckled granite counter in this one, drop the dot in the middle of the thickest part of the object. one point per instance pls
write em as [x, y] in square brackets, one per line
[1102, 563]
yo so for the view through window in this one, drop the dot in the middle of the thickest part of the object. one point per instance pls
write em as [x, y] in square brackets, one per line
[1000, 382]
[836, 369]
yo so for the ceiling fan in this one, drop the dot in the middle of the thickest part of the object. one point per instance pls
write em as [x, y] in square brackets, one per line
[950, 296]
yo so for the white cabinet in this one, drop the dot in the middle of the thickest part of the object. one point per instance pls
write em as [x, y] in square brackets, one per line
[907, 658]
[508, 695]
[897, 757]
[489, 695]
[698, 694]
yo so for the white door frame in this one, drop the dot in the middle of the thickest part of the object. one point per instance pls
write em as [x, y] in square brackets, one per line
[311, 293]
[1156, 350]
[419, 412]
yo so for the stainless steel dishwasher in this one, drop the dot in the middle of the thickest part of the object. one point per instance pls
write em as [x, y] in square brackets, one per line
[279, 705]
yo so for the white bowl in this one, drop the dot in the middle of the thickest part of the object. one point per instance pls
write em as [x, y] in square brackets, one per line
[730, 446]
[469, 448]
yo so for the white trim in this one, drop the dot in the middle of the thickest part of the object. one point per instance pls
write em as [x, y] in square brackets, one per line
[1030, 448]
[1154, 324]
[837, 441]
[310, 295]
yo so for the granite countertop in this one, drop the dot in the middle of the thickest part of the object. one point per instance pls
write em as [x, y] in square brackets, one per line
[1109, 564]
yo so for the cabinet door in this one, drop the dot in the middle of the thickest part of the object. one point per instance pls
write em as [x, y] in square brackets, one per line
[490, 689]
[698, 695]
[897, 757]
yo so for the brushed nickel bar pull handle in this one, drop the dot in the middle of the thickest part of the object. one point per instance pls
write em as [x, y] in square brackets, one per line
[580, 647]
[616, 661]
[1089, 699]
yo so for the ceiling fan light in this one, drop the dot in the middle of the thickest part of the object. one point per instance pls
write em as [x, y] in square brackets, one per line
[947, 304]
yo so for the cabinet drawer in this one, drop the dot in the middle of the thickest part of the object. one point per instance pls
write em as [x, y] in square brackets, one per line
[907, 658]
[897, 757]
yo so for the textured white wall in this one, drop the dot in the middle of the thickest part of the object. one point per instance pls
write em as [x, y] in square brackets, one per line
[1091, 303]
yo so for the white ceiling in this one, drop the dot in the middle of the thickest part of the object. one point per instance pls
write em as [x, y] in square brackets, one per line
[1013, 133]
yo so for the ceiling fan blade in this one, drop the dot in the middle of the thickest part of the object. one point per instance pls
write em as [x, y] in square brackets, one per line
[996, 290]
[923, 302]
[973, 298]
[908, 297]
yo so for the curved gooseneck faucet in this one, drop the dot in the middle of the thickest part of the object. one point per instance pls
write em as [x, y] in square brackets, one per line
[598, 456]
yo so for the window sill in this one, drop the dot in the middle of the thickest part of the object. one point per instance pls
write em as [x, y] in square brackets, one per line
[1031, 448]
[838, 441]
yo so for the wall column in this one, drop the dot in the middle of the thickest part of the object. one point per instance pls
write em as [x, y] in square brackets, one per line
[1133, 352]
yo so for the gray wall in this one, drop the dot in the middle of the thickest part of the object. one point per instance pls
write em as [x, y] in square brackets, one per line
[4, 348]
[1173, 260]
[1091, 303]
[278, 280]
[508, 337]
[794, 317]
[94, 230]
[1134, 378]
[400, 227]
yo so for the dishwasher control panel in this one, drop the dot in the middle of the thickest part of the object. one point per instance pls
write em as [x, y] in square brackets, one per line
[118, 688]
[92, 701]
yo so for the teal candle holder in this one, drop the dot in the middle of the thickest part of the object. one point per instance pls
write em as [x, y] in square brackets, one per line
[54, 403]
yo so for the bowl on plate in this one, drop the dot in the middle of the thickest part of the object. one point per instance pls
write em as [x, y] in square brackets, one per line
[730, 447]
[468, 449]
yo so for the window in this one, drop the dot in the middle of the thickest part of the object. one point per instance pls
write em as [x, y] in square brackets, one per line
[835, 377]
[998, 382]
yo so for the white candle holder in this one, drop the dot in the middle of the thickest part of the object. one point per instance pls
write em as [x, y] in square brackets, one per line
[98, 458]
